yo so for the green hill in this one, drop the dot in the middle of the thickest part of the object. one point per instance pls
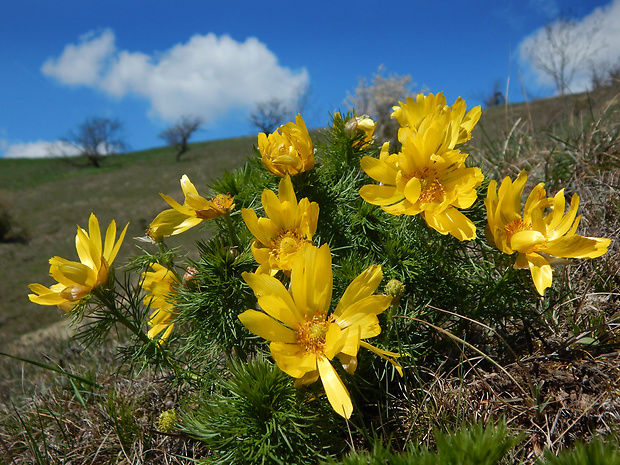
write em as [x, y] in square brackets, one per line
[48, 198]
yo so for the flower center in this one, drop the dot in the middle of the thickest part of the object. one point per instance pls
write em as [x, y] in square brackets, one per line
[432, 189]
[516, 226]
[287, 242]
[223, 202]
[149, 233]
[311, 334]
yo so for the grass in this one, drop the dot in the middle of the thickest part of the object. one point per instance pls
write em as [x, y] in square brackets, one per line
[47, 198]
[548, 368]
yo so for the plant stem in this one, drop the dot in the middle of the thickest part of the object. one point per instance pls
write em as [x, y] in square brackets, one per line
[231, 230]
[110, 304]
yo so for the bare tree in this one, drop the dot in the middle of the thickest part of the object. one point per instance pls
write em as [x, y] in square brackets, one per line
[560, 50]
[267, 116]
[179, 133]
[97, 137]
[376, 99]
[496, 97]
[605, 75]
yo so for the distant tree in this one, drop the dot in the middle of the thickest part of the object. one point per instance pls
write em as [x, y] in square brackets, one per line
[560, 50]
[376, 99]
[496, 97]
[267, 116]
[97, 137]
[605, 75]
[179, 133]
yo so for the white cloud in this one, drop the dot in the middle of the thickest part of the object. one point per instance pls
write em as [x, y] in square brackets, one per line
[39, 149]
[207, 76]
[82, 63]
[597, 34]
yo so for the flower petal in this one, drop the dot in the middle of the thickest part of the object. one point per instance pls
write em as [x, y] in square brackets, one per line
[78, 274]
[358, 311]
[526, 241]
[187, 186]
[279, 308]
[541, 272]
[385, 355]
[266, 327]
[286, 191]
[337, 393]
[412, 191]
[351, 337]
[169, 223]
[365, 284]
[87, 250]
[292, 359]
[577, 247]
[381, 195]
[265, 285]
[379, 170]
[273, 208]
[177, 206]
[312, 281]
[333, 341]
[94, 233]
[112, 248]
[451, 221]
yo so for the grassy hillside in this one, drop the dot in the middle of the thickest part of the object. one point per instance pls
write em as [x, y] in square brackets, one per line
[478, 343]
[47, 198]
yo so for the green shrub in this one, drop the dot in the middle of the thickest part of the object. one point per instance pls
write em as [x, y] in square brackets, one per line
[257, 416]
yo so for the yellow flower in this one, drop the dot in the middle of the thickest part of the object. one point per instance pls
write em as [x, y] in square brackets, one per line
[418, 180]
[169, 223]
[540, 240]
[361, 125]
[288, 227]
[425, 111]
[160, 283]
[194, 210]
[288, 150]
[77, 279]
[303, 337]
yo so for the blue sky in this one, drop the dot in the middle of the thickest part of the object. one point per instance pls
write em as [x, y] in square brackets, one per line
[147, 62]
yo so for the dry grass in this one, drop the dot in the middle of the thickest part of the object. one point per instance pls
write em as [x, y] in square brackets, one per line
[126, 189]
[51, 418]
[561, 385]
[566, 388]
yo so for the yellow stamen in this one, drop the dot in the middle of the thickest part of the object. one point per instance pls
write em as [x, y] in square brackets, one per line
[432, 189]
[224, 202]
[516, 226]
[287, 242]
[311, 334]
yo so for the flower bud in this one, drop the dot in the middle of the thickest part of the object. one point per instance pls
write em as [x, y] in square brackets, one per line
[167, 421]
[360, 125]
[190, 275]
[395, 288]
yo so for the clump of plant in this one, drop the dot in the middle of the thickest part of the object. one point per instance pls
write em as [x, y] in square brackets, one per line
[475, 444]
[596, 452]
[257, 416]
[333, 271]
[10, 231]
